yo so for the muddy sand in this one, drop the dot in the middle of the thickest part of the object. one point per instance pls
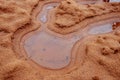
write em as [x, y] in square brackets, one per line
[59, 40]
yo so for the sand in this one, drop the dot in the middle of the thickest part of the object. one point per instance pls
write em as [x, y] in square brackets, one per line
[68, 17]
[96, 57]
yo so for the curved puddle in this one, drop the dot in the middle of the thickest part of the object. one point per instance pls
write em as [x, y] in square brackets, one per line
[52, 51]
[44, 13]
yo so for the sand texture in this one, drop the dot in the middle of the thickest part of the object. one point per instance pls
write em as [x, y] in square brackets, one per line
[97, 57]
[69, 17]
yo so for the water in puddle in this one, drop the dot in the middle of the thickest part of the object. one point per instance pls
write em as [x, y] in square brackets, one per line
[114, 0]
[52, 51]
[48, 50]
[43, 15]
[104, 27]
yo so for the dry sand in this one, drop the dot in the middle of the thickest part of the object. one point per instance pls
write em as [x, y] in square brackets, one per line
[97, 57]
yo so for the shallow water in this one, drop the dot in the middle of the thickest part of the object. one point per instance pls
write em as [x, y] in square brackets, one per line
[44, 13]
[52, 51]
[101, 29]
[114, 0]
[48, 50]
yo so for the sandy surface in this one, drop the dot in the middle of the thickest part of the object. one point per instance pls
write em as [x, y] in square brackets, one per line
[69, 17]
[96, 57]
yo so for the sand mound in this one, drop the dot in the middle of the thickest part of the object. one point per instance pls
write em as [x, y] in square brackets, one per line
[69, 16]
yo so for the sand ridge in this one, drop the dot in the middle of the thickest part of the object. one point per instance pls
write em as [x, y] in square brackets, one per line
[100, 52]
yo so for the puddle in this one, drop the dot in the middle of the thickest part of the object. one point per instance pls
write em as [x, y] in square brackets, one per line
[95, 1]
[52, 51]
[48, 50]
[114, 0]
[44, 13]
[103, 27]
